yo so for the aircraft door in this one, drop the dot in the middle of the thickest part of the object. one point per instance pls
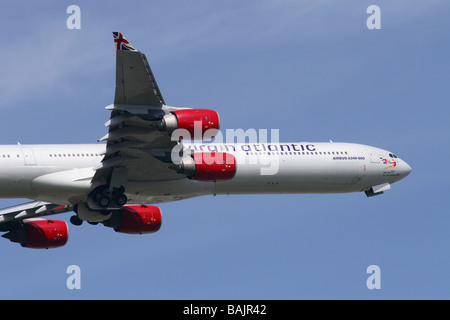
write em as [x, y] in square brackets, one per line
[373, 156]
[28, 156]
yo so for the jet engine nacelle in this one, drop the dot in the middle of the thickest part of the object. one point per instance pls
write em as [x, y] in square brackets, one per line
[137, 219]
[209, 166]
[40, 234]
[195, 121]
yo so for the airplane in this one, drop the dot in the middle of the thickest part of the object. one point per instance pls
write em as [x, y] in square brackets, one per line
[155, 153]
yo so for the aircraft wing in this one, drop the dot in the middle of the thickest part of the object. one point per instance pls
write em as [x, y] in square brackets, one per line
[135, 83]
[34, 209]
[136, 150]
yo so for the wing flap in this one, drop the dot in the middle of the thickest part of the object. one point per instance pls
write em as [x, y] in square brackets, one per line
[29, 210]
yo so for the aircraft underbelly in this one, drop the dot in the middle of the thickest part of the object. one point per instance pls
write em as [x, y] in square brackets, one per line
[296, 177]
[15, 182]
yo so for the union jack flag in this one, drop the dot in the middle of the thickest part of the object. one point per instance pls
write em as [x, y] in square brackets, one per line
[122, 43]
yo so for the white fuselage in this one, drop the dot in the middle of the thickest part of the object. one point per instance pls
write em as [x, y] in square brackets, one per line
[62, 173]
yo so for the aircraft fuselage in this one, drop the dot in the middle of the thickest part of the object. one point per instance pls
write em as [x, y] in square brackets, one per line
[63, 173]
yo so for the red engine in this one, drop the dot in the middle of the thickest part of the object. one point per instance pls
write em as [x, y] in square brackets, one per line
[136, 219]
[40, 234]
[195, 121]
[209, 166]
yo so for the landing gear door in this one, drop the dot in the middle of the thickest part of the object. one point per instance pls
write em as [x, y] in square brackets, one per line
[28, 157]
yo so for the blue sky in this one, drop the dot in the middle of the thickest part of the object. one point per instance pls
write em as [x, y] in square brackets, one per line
[309, 68]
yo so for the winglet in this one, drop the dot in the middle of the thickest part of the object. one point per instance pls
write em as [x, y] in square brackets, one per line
[122, 44]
